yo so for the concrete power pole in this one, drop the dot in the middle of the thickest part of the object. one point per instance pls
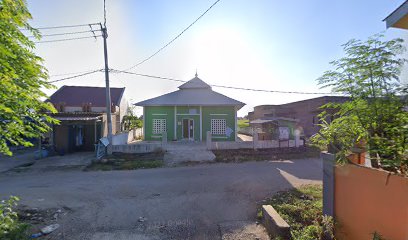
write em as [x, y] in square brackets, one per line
[108, 96]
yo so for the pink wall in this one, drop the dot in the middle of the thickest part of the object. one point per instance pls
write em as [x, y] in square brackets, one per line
[368, 200]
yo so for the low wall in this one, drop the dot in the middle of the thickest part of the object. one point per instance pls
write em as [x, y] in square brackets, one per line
[254, 144]
[137, 148]
[126, 137]
[368, 200]
[121, 138]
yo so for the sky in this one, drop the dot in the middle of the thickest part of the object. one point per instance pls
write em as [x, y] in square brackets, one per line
[261, 44]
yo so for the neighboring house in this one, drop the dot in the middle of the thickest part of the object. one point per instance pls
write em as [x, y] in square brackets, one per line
[275, 128]
[304, 112]
[82, 116]
[190, 112]
[398, 18]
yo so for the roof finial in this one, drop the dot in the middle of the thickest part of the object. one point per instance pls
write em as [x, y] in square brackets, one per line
[196, 75]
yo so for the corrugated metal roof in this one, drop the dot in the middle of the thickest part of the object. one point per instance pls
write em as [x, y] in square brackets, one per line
[75, 96]
[194, 93]
[272, 119]
[194, 84]
[78, 118]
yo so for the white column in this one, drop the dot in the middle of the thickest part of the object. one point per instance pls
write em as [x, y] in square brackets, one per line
[144, 123]
[236, 124]
[201, 123]
[164, 140]
[175, 122]
[208, 140]
[255, 138]
[297, 137]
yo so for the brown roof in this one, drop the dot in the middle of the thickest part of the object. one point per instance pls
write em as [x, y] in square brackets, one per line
[75, 96]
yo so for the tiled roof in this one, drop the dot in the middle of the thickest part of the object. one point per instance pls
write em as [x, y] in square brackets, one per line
[75, 96]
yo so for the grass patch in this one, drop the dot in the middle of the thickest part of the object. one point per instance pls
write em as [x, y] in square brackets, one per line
[123, 161]
[245, 155]
[242, 123]
[302, 209]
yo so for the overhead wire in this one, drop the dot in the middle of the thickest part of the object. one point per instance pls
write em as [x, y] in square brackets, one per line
[65, 33]
[65, 26]
[223, 86]
[172, 40]
[70, 73]
[67, 39]
[76, 76]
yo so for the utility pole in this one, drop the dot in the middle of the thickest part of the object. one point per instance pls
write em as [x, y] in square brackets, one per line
[108, 96]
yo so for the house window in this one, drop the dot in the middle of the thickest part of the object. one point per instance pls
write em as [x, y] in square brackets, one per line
[159, 126]
[218, 126]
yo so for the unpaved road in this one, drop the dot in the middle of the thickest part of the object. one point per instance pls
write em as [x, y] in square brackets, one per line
[197, 202]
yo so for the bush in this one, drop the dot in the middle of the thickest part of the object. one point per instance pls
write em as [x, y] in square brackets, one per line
[10, 227]
[302, 210]
[374, 116]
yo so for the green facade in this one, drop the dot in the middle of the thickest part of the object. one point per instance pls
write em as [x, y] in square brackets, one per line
[199, 118]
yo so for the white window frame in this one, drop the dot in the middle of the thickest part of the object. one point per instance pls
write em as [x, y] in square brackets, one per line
[159, 125]
[218, 126]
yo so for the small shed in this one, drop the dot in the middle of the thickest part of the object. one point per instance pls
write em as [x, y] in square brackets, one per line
[275, 128]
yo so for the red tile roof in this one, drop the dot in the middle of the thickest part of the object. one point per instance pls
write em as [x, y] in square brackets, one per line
[75, 96]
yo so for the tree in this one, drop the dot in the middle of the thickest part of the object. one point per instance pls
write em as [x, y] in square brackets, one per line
[130, 120]
[375, 115]
[22, 113]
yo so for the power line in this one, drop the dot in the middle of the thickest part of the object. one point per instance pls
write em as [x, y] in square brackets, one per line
[71, 73]
[222, 86]
[67, 39]
[76, 76]
[66, 26]
[171, 41]
[66, 33]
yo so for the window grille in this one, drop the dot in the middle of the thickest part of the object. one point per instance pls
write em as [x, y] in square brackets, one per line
[159, 126]
[218, 126]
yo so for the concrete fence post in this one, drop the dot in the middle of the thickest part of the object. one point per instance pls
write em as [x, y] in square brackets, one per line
[329, 161]
[297, 138]
[208, 140]
[164, 140]
[255, 138]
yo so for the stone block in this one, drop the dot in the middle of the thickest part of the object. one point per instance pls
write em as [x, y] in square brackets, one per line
[274, 223]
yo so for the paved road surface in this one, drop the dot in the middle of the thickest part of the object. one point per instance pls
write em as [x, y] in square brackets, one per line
[174, 203]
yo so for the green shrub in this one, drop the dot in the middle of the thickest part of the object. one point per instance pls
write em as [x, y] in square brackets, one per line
[302, 210]
[10, 227]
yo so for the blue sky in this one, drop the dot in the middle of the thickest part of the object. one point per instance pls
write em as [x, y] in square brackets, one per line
[271, 44]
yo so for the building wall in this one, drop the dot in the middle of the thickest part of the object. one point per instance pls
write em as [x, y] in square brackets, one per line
[174, 120]
[305, 111]
[368, 200]
[115, 129]
[122, 112]
[162, 112]
[61, 137]
[227, 113]
[64, 135]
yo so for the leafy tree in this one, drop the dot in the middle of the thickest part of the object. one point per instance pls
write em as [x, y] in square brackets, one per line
[375, 115]
[10, 226]
[130, 120]
[22, 76]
